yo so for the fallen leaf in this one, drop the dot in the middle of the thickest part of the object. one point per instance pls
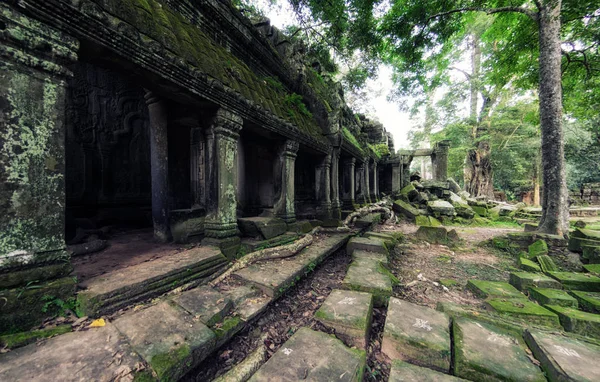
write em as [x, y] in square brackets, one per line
[97, 323]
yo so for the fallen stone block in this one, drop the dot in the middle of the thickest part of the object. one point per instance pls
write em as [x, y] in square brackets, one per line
[205, 303]
[349, 313]
[436, 235]
[564, 358]
[592, 268]
[524, 280]
[576, 244]
[313, 356]
[588, 301]
[484, 352]
[405, 209]
[480, 210]
[546, 296]
[524, 311]
[266, 227]
[168, 338]
[371, 276]
[528, 265]
[577, 281]
[427, 221]
[546, 264]
[403, 371]
[417, 334]
[360, 254]
[576, 321]
[537, 248]
[366, 244]
[441, 208]
[410, 192]
[485, 289]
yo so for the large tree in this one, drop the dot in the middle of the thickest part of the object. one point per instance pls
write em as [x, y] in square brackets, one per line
[411, 31]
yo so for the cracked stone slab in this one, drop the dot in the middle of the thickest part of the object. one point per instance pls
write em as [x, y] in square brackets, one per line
[349, 313]
[484, 352]
[168, 338]
[403, 371]
[417, 334]
[313, 356]
[368, 275]
[96, 354]
[564, 358]
[366, 244]
[207, 304]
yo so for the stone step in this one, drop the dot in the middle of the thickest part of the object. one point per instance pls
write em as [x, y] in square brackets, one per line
[576, 321]
[108, 293]
[528, 265]
[360, 254]
[367, 244]
[546, 296]
[524, 280]
[485, 289]
[381, 236]
[564, 358]
[577, 281]
[264, 227]
[524, 311]
[484, 352]
[349, 313]
[206, 304]
[275, 277]
[313, 356]
[403, 371]
[251, 245]
[588, 301]
[417, 334]
[371, 276]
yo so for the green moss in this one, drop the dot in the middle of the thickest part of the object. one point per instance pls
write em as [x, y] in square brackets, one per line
[229, 324]
[351, 138]
[381, 268]
[449, 283]
[485, 289]
[548, 296]
[576, 321]
[538, 248]
[167, 364]
[12, 341]
[528, 265]
[144, 376]
[524, 309]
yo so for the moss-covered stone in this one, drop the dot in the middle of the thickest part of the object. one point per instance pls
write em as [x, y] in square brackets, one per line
[523, 310]
[546, 296]
[35, 275]
[523, 280]
[481, 211]
[588, 301]
[537, 248]
[592, 268]
[405, 209]
[13, 341]
[528, 265]
[485, 289]
[449, 283]
[591, 253]
[576, 321]
[365, 275]
[404, 371]
[427, 221]
[546, 263]
[577, 281]
[576, 244]
[435, 235]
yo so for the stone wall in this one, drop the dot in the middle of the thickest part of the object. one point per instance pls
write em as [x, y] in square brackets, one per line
[589, 193]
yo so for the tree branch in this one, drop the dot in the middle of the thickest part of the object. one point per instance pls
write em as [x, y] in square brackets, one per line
[489, 11]
[467, 74]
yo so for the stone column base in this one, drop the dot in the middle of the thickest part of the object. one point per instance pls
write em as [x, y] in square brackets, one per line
[229, 246]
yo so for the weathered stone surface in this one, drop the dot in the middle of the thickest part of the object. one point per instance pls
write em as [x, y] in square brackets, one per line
[386, 237]
[349, 314]
[440, 208]
[437, 235]
[485, 289]
[366, 244]
[538, 248]
[417, 334]
[300, 226]
[546, 264]
[275, 277]
[168, 338]
[592, 268]
[427, 221]
[17, 340]
[360, 254]
[524, 280]
[403, 371]
[267, 227]
[523, 310]
[108, 293]
[576, 244]
[313, 356]
[591, 253]
[404, 208]
[205, 303]
[528, 265]
[410, 192]
[367, 221]
[564, 358]
[588, 301]
[96, 354]
[461, 206]
[545, 296]
[577, 281]
[368, 275]
[484, 352]
[576, 321]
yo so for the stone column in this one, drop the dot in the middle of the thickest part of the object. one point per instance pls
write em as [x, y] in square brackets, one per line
[336, 205]
[348, 185]
[159, 166]
[406, 160]
[284, 181]
[374, 179]
[396, 177]
[439, 160]
[323, 188]
[360, 183]
[221, 219]
[367, 181]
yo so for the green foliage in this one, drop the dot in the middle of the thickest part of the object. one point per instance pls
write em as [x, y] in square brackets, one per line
[295, 104]
[60, 307]
[351, 138]
[275, 84]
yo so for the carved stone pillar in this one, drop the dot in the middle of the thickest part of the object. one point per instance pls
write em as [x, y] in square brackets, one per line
[284, 181]
[439, 160]
[159, 165]
[396, 177]
[323, 188]
[374, 179]
[367, 181]
[336, 205]
[406, 160]
[348, 186]
[221, 219]
[360, 183]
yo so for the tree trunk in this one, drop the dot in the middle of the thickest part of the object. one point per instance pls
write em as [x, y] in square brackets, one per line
[555, 209]
[536, 180]
[474, 80]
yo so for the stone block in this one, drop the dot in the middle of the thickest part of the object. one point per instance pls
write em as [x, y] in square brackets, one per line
[537, 248]
[524, 311]
[349, 313]
[169, 339]
[523, 280]
[366, 244]
[528, 265]
[577, 281]
[410, 192]
[545, 296]
[564, 358]
[436, 235]
[591, 253]
[480, 210]
[368, 275]
[267, 227]
[588, 301]
[313, 356]
[576, 244]
[360, 254]
[403, 371]
[592, 268]
[427, 221]
[405, 209]
[205, 303]
[417, 334]
[576, 321]
[484, 352]
[300, 227]
[485, 289]
[441, 208]
[546, 264]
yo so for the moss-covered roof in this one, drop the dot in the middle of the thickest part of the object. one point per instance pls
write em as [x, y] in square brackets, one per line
[178, 35]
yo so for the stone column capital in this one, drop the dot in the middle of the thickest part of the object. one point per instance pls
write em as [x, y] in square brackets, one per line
[227, 123]
[151, 97]
[290, 148]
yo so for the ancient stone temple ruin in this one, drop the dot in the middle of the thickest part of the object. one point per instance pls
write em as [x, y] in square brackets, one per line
[184, 117]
